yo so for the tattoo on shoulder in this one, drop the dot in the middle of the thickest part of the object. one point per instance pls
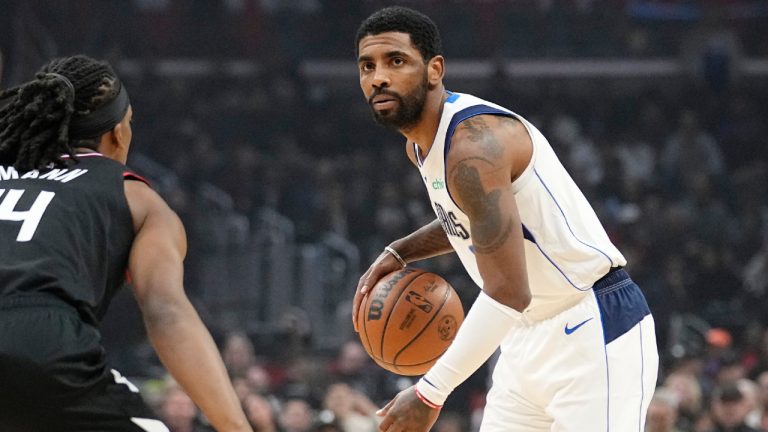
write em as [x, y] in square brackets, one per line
[489, 230]
[478, 131]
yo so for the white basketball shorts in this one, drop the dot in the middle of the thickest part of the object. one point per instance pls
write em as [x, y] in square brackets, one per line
[591, 368]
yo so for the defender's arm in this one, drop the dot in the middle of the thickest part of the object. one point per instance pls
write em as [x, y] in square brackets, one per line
[174, 327]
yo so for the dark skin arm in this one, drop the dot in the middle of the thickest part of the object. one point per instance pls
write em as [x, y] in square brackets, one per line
[426, 242]
[173, 326]
[487, 154]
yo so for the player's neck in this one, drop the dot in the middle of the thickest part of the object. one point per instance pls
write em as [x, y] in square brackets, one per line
[423, 133]
[84, 150]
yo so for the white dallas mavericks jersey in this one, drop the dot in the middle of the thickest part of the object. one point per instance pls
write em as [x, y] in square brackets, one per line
[566, 247]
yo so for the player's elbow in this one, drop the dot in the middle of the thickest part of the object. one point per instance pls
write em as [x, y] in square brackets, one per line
[161, 312]
[517, 298]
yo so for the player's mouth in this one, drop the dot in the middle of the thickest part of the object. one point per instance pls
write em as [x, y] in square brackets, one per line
[383, 102]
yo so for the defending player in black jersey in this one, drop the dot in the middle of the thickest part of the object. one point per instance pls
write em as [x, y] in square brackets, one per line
[73, 220]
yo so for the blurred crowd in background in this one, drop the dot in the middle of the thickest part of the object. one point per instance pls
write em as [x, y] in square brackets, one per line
[674, 164]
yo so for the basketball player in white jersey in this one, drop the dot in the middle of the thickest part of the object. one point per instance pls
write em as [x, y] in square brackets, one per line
[578, 349]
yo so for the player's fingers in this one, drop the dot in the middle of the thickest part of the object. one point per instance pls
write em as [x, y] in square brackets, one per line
[374, 275]
[385, 410]
[358, 299]
[387, 424]
[364, 283]
[355, 307]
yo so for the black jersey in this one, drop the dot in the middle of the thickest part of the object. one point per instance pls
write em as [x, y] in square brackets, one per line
[66, 232]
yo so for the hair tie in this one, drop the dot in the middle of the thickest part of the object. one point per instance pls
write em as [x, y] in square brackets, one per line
[101, 119]
[66, 81]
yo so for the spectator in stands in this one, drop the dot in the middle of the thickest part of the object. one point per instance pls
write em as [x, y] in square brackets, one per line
[238, 354]
[355, 368]
[258, 379]
[327, 422]
[353, 410]
[729, 409]
[687, 391]
[690, 150]
[178, 411]
[751, 392]
[296, 416]
[762, 383]
[580, 155]
[662, 412]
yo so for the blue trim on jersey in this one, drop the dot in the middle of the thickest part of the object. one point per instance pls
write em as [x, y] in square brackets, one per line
[527, 234]
[558, 268]
[417, 153]
[566, 219]
[452, 97]
[622, 304]
[457, 118]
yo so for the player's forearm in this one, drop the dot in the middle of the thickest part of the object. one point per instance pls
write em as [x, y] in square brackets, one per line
[188, 351]
[481, 333]
[426, 242]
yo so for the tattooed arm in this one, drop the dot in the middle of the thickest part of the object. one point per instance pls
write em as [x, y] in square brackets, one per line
[487, 153]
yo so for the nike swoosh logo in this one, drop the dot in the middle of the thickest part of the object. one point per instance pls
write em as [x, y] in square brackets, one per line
[576, 327]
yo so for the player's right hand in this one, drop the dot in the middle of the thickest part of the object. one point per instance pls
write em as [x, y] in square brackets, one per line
[384, 264]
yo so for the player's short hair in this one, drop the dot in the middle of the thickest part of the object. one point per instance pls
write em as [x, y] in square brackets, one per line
[424, 33]
[35, 124]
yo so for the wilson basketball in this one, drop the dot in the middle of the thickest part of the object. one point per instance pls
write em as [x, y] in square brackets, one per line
[408, 320]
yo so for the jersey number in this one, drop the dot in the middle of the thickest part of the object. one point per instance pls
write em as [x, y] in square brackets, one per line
[30, 218]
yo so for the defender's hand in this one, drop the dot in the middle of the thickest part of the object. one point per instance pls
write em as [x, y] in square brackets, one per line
[406, 413]
[384, 264]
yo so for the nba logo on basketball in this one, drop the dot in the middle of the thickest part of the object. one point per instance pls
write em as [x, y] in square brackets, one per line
[420, 302]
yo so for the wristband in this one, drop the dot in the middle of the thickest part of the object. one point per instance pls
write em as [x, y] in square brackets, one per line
[426, 401]
[396, 255]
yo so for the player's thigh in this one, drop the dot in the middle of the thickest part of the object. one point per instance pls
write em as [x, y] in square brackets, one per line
[507, 409]
[617, 402]
[505, 412]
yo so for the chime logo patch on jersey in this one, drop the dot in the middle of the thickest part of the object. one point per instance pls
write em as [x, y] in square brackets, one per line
[438, 184]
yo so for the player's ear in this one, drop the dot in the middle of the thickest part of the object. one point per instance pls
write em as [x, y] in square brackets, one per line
[117, 134]
[435, 70]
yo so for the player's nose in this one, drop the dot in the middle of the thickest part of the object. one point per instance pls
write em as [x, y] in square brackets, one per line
[380, 79]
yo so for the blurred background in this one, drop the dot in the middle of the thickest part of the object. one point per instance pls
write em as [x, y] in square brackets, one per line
[250, 121]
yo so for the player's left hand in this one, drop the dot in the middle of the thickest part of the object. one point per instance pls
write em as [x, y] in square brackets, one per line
[406, 413]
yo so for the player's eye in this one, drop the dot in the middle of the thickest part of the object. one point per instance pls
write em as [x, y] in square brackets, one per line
[366, 67]
[398, 61]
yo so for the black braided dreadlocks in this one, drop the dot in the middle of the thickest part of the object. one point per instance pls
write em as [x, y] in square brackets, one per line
[34, 126]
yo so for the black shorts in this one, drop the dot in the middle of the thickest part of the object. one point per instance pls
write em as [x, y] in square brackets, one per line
[53, 374]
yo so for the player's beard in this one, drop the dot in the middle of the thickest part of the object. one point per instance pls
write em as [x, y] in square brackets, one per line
[408, 110]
